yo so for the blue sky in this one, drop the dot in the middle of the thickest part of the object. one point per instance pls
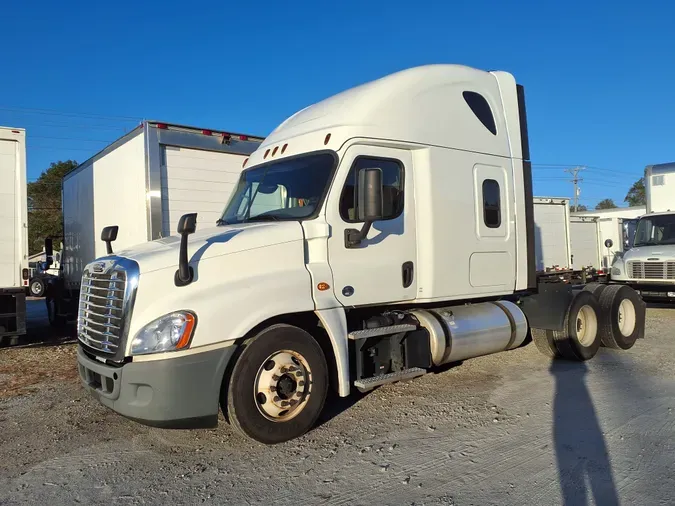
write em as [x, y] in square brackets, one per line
[598, 75]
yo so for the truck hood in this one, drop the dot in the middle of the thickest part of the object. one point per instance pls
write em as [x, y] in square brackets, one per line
[212, 242]
[661, 253]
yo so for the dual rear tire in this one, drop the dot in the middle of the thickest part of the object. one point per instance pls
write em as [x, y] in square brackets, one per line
[600, 315]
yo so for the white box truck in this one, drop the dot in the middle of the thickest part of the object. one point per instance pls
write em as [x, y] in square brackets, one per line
[143, 183]
[402, 239]
[617, 225]
[649, 266]
[14, 272]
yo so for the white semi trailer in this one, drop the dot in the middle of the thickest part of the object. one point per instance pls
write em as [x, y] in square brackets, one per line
[649, 266]
[403, 239]
[14, 272]
[143, 182]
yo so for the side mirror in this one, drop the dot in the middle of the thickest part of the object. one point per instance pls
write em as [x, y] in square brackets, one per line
[369, 196]
[369, 205]
[186, 226]
[108, 236]
[609, 243]
[49, 252]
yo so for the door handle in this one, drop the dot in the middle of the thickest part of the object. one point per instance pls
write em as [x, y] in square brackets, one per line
[407, 274]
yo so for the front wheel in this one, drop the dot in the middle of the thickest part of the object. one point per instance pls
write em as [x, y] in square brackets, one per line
[37, 287]
[278, 386]
[55, 319]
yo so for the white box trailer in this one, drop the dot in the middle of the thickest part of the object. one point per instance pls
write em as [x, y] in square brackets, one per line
[552, 234]
[13, 232]
[660, 187]
[143, 183]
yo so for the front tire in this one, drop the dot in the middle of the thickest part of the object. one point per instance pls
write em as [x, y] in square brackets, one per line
[278, 385]
[36, 287]
[55, 319]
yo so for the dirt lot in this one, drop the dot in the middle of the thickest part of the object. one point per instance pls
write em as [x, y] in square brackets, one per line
[507, 429]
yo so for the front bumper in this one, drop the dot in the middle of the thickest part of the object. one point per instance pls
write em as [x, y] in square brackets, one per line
[180, 392]
[649, 289]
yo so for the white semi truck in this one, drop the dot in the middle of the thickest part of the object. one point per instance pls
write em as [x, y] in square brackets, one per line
[649, 266]
[14, 272]
[143, 182]
[402, 239]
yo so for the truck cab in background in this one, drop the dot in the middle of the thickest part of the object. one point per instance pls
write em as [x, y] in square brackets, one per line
[372, 236]
[649, 265]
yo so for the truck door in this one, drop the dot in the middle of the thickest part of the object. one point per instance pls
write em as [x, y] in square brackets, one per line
[382, 268]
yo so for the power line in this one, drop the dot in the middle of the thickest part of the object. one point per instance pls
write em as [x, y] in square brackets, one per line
[79, 139]
[76, 126]
[53, 112]
[555, 165]
[62, 148]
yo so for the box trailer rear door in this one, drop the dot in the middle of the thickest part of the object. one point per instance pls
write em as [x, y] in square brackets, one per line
[585, 242]
[13, 232]
[195, 180]
[551, 233]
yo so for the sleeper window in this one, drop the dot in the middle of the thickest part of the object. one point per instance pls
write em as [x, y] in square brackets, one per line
[481, 109]
[492, 213]
[392, 191]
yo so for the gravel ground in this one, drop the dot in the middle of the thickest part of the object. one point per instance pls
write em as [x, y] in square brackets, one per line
[507, 429]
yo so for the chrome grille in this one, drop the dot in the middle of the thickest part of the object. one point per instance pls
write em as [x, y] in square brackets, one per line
[651, 270]
[100, 322]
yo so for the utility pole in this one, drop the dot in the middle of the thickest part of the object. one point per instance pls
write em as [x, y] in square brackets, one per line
[576, 180]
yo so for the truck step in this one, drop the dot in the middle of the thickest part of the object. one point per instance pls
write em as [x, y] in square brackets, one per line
[366, 384]
[381, 331]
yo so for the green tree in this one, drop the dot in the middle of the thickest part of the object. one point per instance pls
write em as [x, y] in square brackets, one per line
[637, 195]
[606, 204]
[45, 217]
[581, 207]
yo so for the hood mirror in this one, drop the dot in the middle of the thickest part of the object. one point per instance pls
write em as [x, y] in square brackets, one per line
[186, 226]
[108, 236]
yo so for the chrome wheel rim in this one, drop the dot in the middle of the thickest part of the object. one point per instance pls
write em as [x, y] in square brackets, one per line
[282, 386]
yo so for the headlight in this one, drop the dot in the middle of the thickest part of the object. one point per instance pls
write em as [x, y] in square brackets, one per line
[616, 271]
[168, 333]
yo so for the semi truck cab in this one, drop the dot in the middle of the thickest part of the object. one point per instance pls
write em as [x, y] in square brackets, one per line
[649, 266]
[372, 236]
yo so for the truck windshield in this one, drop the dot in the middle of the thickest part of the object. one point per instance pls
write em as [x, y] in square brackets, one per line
[289, 189]
[655, 230]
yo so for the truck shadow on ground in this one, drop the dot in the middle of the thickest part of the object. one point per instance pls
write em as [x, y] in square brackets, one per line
[584, 468]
